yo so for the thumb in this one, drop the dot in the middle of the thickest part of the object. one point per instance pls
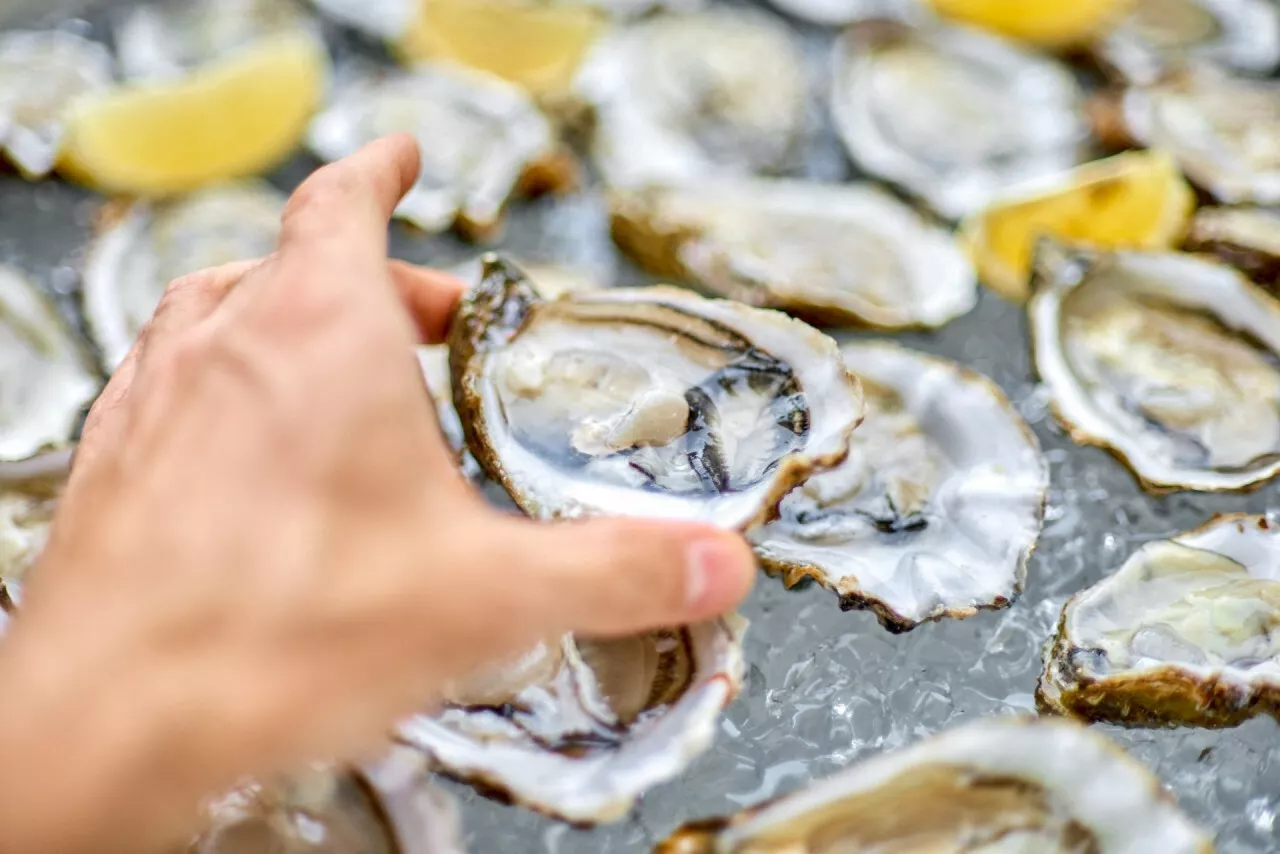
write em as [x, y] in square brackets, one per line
[611, 577]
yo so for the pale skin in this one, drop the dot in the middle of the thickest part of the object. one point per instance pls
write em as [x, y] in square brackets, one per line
[264, 556]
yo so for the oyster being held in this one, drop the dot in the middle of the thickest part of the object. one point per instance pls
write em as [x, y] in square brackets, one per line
[41, 73]
[1169, 360]
[850, 253]
[1224, 131]
[143, 247]
[580, 729]
[952, 115]
[1161, 35]
[29, 493]
[683, 96]
[435, 371]
[482, 141]
[1247, 238]
[1185, 632]
[647, 402]
[937, 507]
[1000, 784]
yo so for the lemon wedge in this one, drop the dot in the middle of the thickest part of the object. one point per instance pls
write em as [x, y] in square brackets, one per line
[232, 118]
[535, 45]
[1136, 200]
[1047, 23]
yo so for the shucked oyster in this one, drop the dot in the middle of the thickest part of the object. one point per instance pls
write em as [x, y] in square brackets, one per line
[145, 246]
[1186, 632]
[1018, 786]
[1167, 359]
[647, 402]
[41, 73]
[937, 507]
[1160, 35]
[435, 371]
[482, 141]
[29, 493]
[1247, 238]
[837, 254]
[685, 96]
[1224, 131]
[580, 729]
[952, 115]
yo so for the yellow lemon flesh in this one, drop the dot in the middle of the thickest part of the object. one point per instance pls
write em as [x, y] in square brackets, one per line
[535, 45]
[1137, 200]
[1047, 23]
[230, 119]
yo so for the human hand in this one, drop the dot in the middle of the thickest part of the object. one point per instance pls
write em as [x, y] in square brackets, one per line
[264, 555]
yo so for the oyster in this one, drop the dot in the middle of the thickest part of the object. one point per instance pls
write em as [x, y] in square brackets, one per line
[683, 96]
[29, 493]
[1224, 131]
[580, 729]
[833, 13]
[937, 507]
[1246, 238]
[647, 402]
[952, 115]
[552, 280]
[435, 370]
[482, 141]
[1161, 35]
[840, 254]
[1185, 632]
[998, 784]
[41, 73]
[1166, 359]
[144, 246]
[157, 41]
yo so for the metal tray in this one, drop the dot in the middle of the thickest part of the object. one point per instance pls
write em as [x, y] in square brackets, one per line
[824, 688]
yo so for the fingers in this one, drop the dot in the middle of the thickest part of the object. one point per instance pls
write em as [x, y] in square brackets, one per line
[429, 296]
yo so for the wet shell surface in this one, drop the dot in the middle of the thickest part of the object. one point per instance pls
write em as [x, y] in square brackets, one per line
[1224, 131]
[1162, 35]
[832, 13]
[1169, 360]
[1247, 238]
[579, 729]
[952, 115]
[142, 247]
[999, 784]
[41, 73]
[435, 371]
[1185, 632]
[937, 507]
[846, 254]
[482, 141]
[649, 402]
[679, 97]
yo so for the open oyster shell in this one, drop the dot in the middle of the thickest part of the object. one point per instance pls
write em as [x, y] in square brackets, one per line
[435, 371]
[1162, 35]
[647, 402]
[1247, 238]
[142, 247]
[839, 254]
[41, 73]
[482, 140]
[1169, 360]
[999, 784]
[1183, 633]
[952, 115]
[1224, 131]
[29, 493]
[937, 507]
[581, 729]
[679, 97]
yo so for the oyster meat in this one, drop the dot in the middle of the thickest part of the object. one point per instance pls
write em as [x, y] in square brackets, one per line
[649, 402]
[41, 73]
[1169, 360]
[839, 254]
[1224, 131]
[580, 729]
[1247, 238]
[1162, 35]
[1184, 633]
[952, 115]
[683, 96]
[144, 246]
[937, 507]
[482, 140]
[1015, 785]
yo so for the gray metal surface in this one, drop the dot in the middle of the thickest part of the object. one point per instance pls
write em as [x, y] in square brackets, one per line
[826, 688]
